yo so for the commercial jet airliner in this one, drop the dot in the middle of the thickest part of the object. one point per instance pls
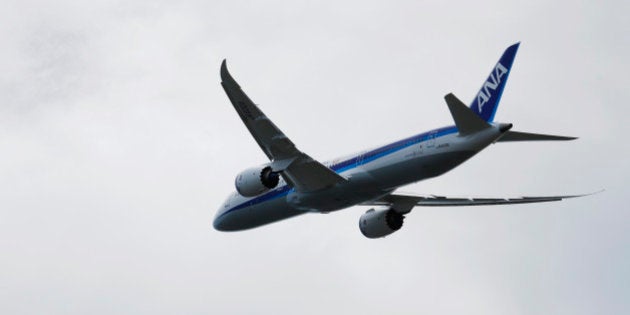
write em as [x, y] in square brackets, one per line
[292, 183]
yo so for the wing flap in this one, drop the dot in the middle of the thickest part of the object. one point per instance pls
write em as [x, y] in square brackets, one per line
[442, 201]
[527, 136]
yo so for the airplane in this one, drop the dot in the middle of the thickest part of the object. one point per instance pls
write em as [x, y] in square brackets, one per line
[292, 183]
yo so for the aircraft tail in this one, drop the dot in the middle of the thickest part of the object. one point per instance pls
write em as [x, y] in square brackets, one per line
[487, 99]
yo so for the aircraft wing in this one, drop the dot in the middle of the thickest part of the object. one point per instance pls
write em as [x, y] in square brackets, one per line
[297, 168]
[404, 203]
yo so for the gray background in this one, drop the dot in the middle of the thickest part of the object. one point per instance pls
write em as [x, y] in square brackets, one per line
[117, 144]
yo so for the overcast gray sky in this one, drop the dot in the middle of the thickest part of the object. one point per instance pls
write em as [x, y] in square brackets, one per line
[117, 145]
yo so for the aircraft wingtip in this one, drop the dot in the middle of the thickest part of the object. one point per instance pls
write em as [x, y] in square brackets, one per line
[591, 193]
[225, 75]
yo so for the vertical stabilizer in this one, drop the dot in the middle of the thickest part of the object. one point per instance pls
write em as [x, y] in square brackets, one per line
[487, 99]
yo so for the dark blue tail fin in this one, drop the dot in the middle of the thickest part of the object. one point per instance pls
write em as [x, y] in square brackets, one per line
[487, 100]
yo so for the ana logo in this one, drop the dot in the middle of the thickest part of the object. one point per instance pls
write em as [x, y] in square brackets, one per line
[490, 85]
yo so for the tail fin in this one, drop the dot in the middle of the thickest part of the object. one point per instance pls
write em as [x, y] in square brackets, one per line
[487, 100]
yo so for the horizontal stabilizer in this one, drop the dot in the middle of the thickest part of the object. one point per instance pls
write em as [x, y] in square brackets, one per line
[466, 120]
[526, 136]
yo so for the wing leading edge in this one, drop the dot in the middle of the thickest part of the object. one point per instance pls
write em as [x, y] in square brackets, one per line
[297, 168]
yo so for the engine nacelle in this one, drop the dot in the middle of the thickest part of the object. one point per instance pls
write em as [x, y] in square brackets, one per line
[256, 180]
[380, 223]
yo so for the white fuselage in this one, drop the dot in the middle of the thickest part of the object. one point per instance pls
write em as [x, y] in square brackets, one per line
[371, 175]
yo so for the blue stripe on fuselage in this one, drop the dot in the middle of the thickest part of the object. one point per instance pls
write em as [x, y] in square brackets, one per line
[353, 162]
[390, 148]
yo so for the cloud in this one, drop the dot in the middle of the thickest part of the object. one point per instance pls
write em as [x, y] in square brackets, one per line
[118, 144]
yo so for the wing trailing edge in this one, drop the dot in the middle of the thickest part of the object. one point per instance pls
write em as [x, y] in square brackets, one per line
[404, 203]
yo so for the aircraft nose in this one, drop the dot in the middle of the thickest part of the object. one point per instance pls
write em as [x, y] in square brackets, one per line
[224, 221]
[218, 222]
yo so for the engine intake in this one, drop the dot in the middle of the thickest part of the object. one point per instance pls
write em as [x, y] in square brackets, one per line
[256, 180]
[380, 223]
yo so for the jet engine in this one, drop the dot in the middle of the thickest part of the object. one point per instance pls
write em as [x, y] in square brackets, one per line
[380, 223]
[256, 180]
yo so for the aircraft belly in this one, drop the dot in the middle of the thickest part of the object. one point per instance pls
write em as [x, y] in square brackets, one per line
[256, 215]
[335, 198]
